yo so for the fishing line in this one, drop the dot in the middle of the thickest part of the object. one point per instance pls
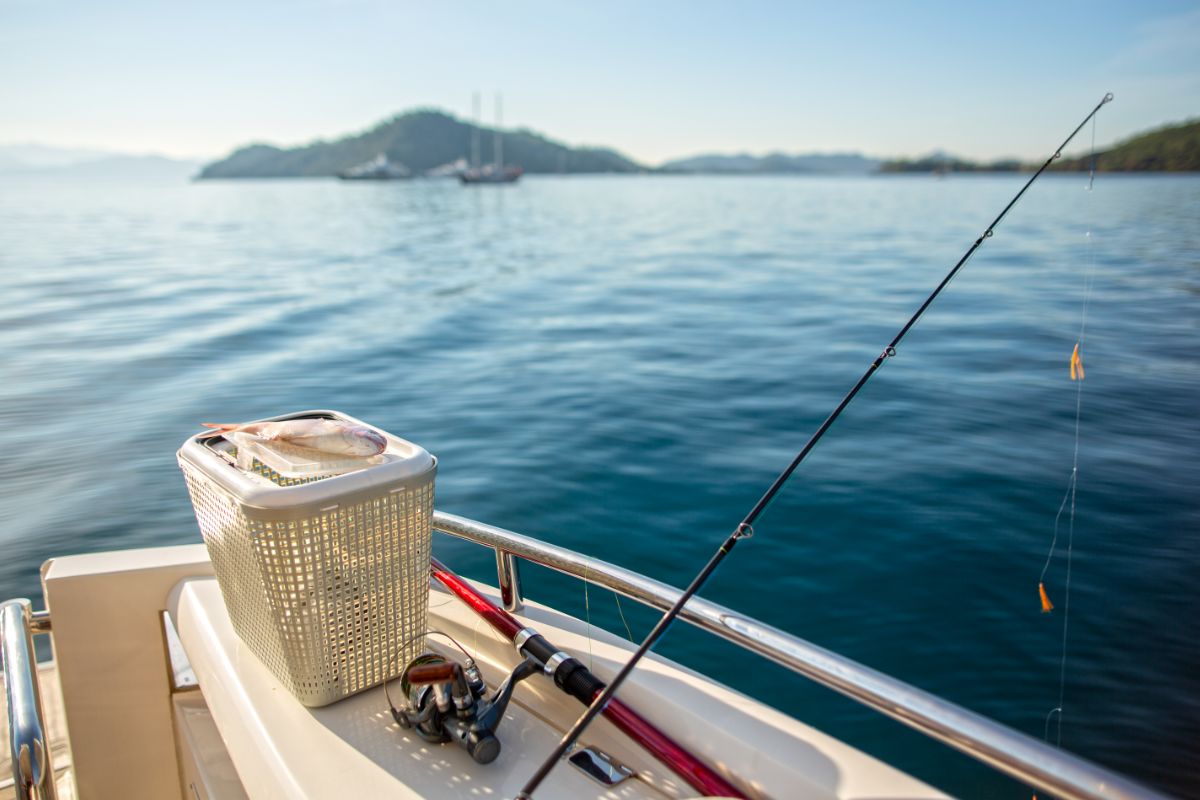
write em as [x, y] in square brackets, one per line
[624, 621]
[745, 528]
[1068, 502]
[475, 635]
[587, 610]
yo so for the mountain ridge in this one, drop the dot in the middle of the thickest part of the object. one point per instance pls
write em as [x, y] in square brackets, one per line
[1174, 147]
[427, 138]
[421, 140]
[44, 161]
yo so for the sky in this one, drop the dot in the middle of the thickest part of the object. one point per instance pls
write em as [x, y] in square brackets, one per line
[654, 80]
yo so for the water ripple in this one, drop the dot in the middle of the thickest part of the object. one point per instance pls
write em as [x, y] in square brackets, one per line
[621, 366]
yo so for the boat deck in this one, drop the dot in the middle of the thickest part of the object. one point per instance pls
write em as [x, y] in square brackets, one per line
[137, 731]
[281, 748]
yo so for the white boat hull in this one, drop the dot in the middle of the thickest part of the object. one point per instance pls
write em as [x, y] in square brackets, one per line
[134, 730]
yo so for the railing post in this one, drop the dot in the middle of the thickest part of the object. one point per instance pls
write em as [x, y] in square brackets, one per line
[33, 774]
[508, 577]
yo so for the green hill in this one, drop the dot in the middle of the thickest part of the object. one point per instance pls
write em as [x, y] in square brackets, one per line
[1173, 148]
[420, 140]
[945, 163]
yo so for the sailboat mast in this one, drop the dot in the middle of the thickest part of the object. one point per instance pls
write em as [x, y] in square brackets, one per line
[499, 139]
[475, 130]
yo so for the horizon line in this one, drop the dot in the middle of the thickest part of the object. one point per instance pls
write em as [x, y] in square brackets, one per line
[935, 151]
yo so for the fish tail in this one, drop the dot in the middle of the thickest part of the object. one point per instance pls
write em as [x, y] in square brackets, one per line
[218, 429]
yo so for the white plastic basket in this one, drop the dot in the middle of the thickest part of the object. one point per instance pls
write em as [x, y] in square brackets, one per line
[325, 576]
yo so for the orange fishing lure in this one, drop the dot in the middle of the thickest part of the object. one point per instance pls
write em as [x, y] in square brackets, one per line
[1076, 364]
[1047, 606]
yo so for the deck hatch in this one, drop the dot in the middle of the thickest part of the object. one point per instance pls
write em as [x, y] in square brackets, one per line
[599, 766]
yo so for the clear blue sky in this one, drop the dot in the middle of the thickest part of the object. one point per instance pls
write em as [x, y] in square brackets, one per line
[655, 80]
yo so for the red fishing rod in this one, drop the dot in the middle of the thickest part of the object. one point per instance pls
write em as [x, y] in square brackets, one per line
[745, 528]
[577, 680]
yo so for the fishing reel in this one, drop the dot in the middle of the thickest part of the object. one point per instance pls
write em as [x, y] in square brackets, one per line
[446, 701]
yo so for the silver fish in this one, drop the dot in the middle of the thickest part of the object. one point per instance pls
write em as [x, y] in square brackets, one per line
[330, 436]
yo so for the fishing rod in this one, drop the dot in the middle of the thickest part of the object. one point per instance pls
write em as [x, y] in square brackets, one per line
[570, 675]
[745, 528]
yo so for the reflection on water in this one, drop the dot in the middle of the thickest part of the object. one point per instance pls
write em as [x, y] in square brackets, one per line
[622, 365]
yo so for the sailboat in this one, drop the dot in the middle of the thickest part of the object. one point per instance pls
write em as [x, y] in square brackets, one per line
[496, 172]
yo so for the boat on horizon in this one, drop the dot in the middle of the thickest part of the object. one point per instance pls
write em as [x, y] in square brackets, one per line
[379, 168]
[491, 173]
[450, 170]
[497, 171]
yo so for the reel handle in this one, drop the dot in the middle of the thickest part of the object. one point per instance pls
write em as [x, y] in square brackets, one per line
[426, 674]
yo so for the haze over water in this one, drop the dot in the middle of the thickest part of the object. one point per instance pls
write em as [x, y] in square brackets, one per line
[622, 365]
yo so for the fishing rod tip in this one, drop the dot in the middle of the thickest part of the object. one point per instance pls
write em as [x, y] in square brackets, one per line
[1107, 98]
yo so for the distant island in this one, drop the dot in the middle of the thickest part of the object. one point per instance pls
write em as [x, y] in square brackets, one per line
[427, 141]
[774, 164]
[433, 143]
[23, 161]
[422, 141]
[1172, 148]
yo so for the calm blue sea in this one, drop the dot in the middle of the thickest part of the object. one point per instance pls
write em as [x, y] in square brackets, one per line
[621, 365]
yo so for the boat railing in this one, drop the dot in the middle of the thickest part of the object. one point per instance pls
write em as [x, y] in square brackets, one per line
[33, 774]
[1020, 756]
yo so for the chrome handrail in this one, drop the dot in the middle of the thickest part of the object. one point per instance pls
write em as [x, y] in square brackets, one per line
[33, 773]
[1009, 751]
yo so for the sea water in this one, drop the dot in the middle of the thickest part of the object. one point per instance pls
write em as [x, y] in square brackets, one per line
[621, 365]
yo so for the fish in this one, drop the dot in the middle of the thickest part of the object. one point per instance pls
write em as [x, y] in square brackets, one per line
[330, 436]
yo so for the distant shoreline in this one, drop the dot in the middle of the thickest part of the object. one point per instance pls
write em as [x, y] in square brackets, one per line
[428, 141]
[431, 144]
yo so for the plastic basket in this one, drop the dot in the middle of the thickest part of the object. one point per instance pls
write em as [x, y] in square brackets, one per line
[325, 576]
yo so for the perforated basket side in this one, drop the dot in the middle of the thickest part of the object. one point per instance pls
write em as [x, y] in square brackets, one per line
[228, 536]
[346, 589]
[328, 600]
